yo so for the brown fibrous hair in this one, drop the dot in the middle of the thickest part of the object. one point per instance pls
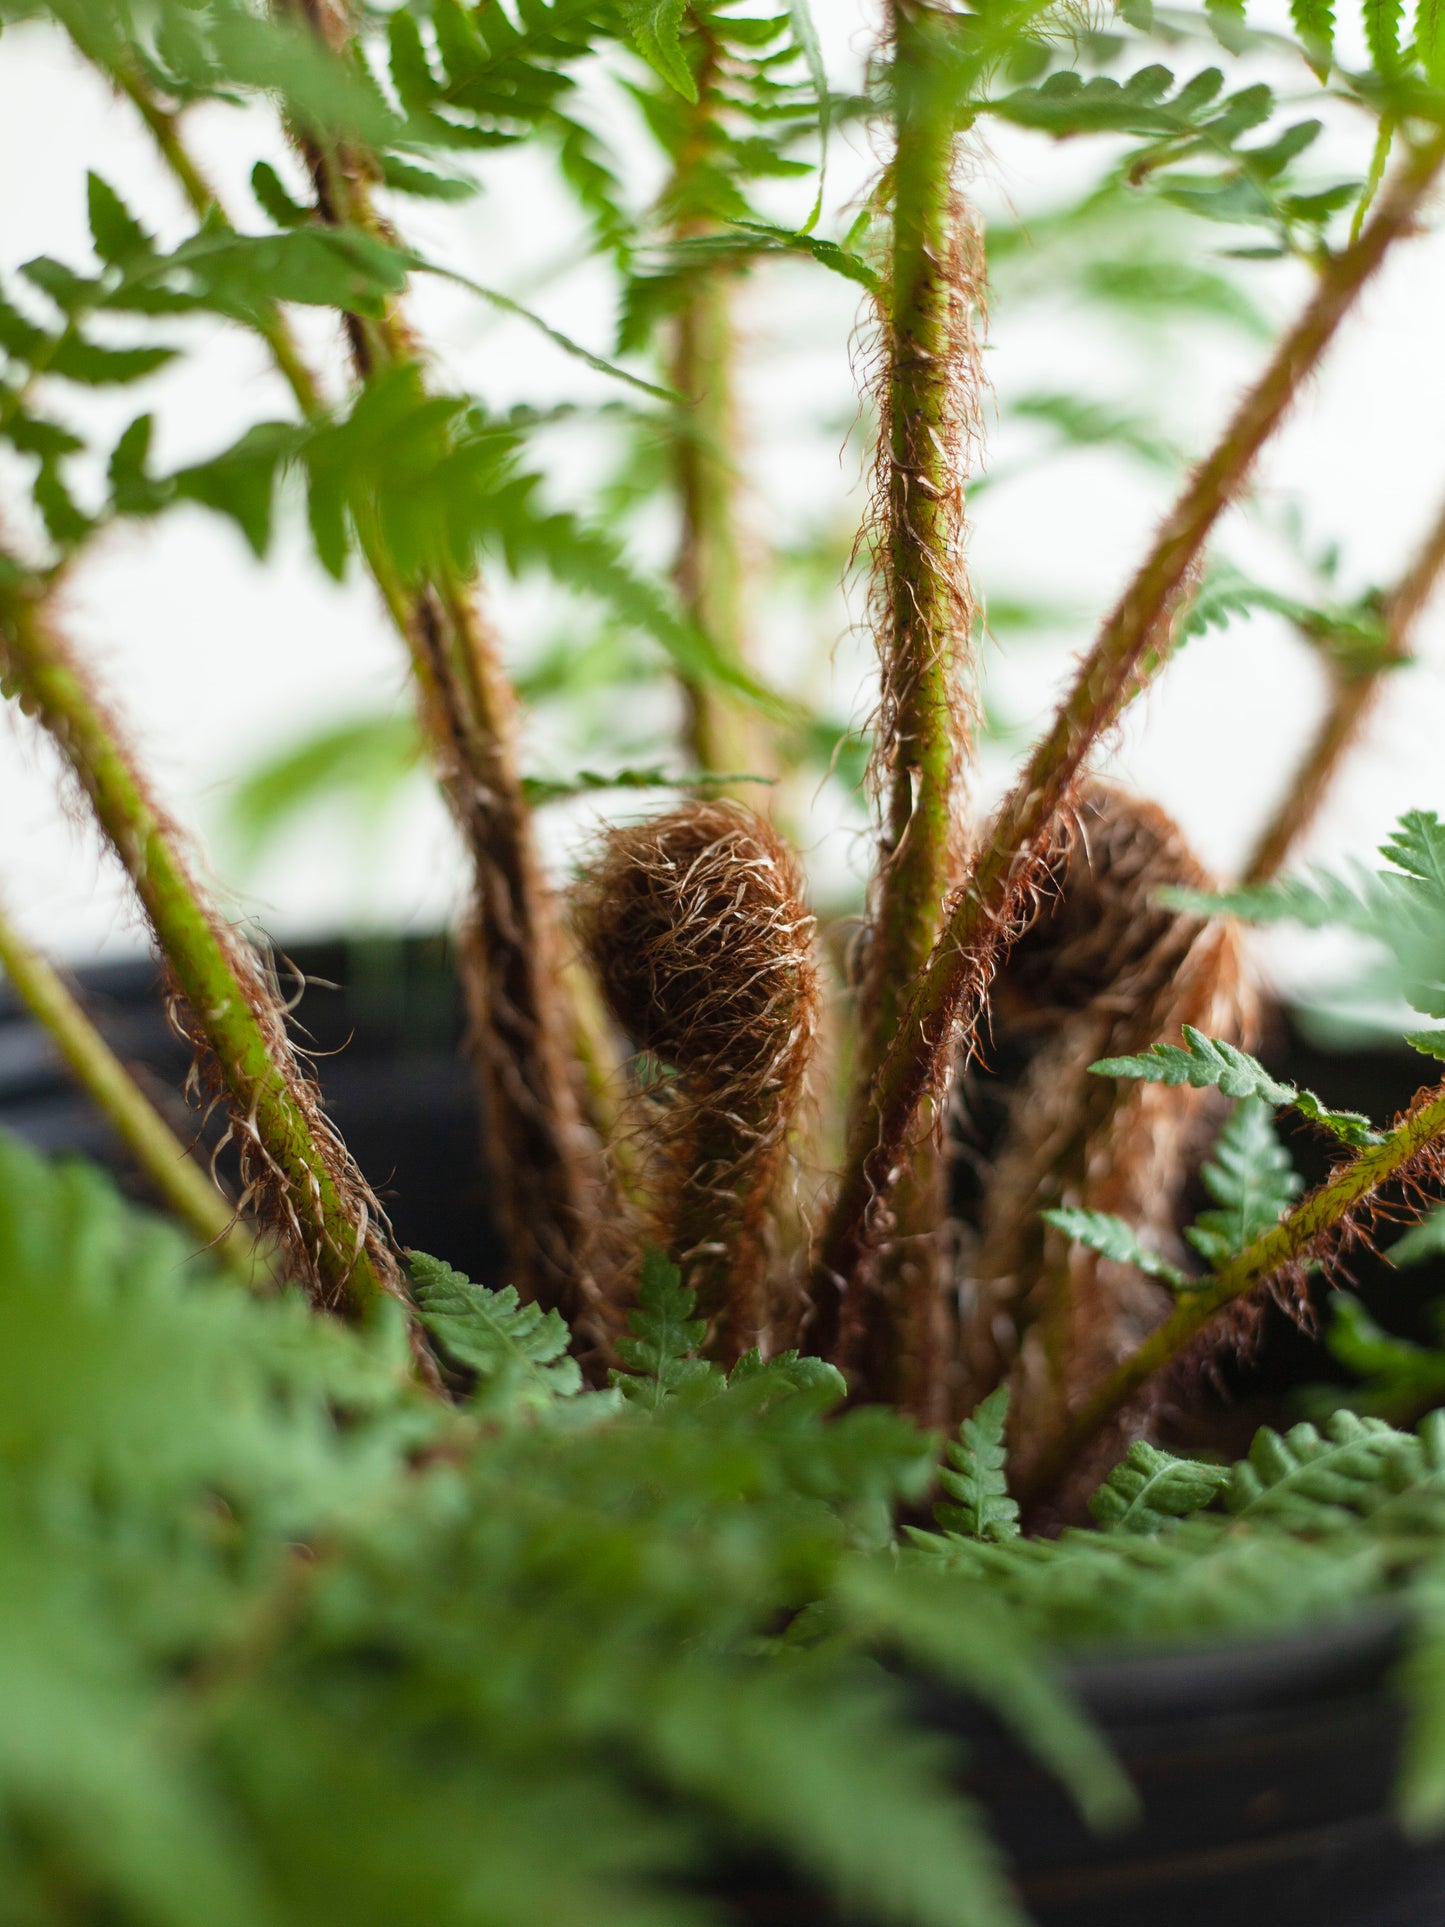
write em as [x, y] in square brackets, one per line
[696, 926]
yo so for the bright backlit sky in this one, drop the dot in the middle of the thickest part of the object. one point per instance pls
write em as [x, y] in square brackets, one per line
[215, 659]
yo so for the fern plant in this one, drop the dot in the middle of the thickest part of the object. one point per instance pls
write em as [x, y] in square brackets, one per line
[337, 1584]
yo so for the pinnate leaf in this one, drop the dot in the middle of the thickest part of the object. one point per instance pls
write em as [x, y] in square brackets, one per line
[1113, 1237]
[975, 1476]
[1202, 1062]
[660, 1357]
[1251, 1180]
[1151, 1487]
[656, 27]
[519, 1352]
[1310, 1480]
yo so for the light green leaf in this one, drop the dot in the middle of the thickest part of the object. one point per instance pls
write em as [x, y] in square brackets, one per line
[519, 1352]
[656, 27]
[1252, 1181]
[1203, 1062]
[1314, 22]
[1153, 1487]
[366, 759]
[1430, 39]
[975, 1476]
[1113, 1238]
[541, 789]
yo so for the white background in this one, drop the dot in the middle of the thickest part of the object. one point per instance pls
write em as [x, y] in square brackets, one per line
[214, 659]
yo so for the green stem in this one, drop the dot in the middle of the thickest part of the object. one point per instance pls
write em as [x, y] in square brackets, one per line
[1352, 698]
[317, 1198]
[536, 1138]
[158, 1152]
[540, 1151]
[897, 1345]
[1289, 1242]
[710, 568]
[927, 417]
[1134, 642]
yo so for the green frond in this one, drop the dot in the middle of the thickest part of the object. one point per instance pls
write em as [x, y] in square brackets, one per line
[660, 1357]
[656, 29]
[1310, 1481]
[1398, 1378]
[1204, 1062]
[1251, 1180]
[1401, 909]
[518, 1352]
[1112, 1237]
[1152, 1487]
[975, 1478]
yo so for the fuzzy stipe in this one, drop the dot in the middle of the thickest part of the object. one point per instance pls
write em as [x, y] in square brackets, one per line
[1104, 971]
[896, 1338]
[984, 915]
[300, 1181]
[921, 599]
[544, 1163]
[696, 927]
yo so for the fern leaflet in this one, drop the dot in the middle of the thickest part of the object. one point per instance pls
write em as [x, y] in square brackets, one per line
[1204, 1061]
[660, 1357]
[1112, 1237]
[518, 1352]
[1251, 1180]
[1153, 1487]
[975, 1478]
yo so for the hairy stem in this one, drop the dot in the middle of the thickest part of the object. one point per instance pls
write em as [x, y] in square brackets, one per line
[1134, 641]
[898, 1343]
[894, 1346]
[709, 569]
[310, 1191]
[1352, 698]
[1289, 1242]
[521, 1029]
[930, 383]
[703, 368]
[157, 1151]
[536, 1139]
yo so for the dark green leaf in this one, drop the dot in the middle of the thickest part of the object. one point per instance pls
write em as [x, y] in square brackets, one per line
[266, 185]
[118, 237]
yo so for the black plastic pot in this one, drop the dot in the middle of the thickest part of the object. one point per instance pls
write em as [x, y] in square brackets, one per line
[384, 1019]
[1266, 1772]
[1266, 1768]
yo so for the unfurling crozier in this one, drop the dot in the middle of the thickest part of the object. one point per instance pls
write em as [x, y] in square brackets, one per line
[1105, 970]
[696, 927]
